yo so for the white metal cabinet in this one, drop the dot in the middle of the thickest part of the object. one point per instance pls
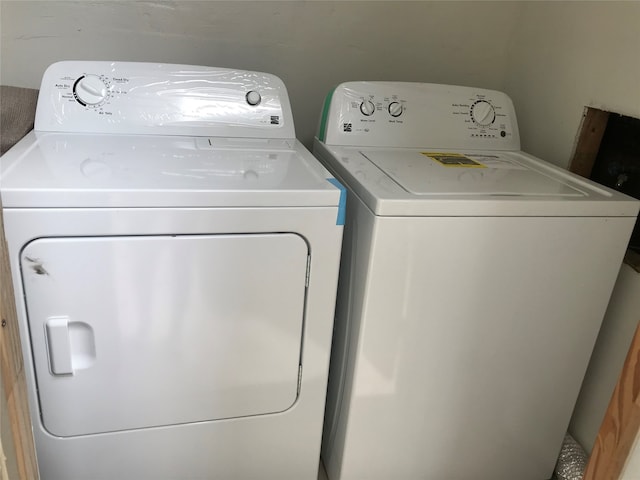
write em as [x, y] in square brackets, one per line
[457, 349]
[473, 281]
[184, 255]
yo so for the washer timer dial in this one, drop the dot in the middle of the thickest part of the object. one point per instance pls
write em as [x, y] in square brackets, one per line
[395, 109]
[483, 113]
[90, 90]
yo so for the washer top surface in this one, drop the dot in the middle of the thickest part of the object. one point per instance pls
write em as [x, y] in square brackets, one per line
[420, 149]
[431, 182]
[63, 170]
[426, 173]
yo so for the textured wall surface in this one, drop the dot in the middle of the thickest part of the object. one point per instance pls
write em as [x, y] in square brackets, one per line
[312, 46]
[564, 56]
[552, 58]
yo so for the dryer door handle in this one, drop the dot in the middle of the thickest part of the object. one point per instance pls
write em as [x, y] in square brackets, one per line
[71, 345]
[59, 345]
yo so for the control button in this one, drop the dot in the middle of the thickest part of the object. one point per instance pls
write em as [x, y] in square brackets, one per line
[483, 113]
[395, 109]
[503, 133]
[367, 108]
[253, 98]
[90, 90]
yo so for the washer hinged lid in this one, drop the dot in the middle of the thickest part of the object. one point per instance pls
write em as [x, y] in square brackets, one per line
[47, 170]
[432, 173]
[434, 182]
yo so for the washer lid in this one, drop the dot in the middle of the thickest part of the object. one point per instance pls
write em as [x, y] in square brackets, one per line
[55, 170]
[411, 182]
[429, 173]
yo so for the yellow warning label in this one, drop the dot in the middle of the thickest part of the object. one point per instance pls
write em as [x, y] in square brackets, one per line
[453, 160]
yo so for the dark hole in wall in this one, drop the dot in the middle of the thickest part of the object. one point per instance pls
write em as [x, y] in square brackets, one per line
[617, 164]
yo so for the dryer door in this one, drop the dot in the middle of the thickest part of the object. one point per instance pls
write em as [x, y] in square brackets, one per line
[135, 332]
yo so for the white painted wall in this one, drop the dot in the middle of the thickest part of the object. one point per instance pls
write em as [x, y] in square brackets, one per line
[312, 46]
[553, 58]
[564, 56]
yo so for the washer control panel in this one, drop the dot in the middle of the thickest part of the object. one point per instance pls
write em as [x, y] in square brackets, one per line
[402, 114]
[148, 98]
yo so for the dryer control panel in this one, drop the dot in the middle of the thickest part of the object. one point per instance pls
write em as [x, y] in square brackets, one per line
[151, 98]
[402, 114]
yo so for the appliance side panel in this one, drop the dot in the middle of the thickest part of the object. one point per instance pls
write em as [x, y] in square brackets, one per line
[354, 265]
[475, 332]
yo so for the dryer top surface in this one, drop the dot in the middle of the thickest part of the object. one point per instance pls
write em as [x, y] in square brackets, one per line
[62, 170]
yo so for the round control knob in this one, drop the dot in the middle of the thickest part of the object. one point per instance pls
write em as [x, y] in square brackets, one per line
[483, 113]
[395, 109]
[90, 90]
[367, 108]
[253, 98]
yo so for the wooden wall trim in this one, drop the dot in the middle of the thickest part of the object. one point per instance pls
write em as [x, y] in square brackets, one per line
[12, 369]
[621, 422]
[594, 123]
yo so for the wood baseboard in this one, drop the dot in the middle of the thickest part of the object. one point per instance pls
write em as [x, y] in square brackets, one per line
[621, 423]
[12, 369]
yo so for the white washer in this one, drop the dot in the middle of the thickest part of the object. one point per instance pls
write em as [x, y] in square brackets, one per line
[175, 254]
[473, 282]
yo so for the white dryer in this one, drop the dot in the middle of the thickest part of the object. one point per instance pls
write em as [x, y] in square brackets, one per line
[474, 279]
[174, 252]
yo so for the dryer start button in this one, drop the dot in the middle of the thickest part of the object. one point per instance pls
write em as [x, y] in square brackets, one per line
[253, 98]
